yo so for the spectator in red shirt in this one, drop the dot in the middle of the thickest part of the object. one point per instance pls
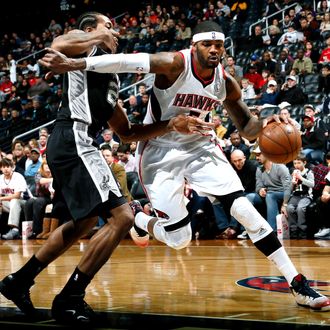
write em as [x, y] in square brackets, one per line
[254, 77]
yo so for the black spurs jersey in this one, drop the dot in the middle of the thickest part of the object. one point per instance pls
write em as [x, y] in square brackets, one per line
[89, 97]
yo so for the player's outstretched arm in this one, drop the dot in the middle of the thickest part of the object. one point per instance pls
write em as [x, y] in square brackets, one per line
[164, 64]
[181, 123]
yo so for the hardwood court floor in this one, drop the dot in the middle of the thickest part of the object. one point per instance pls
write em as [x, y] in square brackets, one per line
[199, 286]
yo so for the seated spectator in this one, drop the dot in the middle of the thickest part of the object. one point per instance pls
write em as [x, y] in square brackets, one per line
[253, 42]
[34, 208]
[246, 170]
[310, 110]
[323, 6]
[230, 63]
[301, 197]
[220, 130]
[311, 52]
[270, 96]
[313, 141]
[292, 93]
[248, 91]
[325, 26]
[274, 35]
[283, 67]
[107, 138]
[320, 171]
[42, 144]
[19, 158]
[137, 116]
[254, 77]
[273, 188]
[309, 27]
[324, 80]
[12, 188]
[126, 159]
[324, 207]
[232, 72]
[325, 53]
[303, 65]
[292, 36]
[236, 142]
[32, 170]
[267, 63]
[285, 115]
[118, 171]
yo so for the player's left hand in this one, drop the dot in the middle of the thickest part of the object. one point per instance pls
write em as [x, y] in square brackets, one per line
[55, 61]
[190, 125]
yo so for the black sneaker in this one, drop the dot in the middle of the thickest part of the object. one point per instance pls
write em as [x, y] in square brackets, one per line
[139, 236]
[308, 297]
[72, 310]
[19, 294]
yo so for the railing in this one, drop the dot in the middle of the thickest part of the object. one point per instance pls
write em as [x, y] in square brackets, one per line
[230, 48]
[265, 20]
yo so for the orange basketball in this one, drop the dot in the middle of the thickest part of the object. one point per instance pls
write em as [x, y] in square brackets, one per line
[280, 142]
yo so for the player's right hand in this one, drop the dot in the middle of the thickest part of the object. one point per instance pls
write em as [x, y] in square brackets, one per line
[190, 125]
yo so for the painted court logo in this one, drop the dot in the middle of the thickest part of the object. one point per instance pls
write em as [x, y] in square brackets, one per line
[277, 284]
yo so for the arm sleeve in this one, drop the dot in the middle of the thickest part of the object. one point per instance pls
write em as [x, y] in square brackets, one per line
[119, 63]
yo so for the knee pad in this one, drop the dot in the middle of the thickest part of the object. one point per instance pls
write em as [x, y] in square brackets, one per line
[245, 213]
[176, 239]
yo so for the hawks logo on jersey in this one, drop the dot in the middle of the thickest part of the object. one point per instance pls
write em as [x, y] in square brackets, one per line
[199, 102]
[277, 283]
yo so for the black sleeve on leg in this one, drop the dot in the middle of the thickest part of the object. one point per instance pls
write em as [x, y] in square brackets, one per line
[268, 244]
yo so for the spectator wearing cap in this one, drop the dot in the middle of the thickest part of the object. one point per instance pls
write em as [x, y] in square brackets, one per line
[255, 61]
[292, 93]
[283, 66]
[270, 95]
[32, 170]
[309, 110]
[313, 141]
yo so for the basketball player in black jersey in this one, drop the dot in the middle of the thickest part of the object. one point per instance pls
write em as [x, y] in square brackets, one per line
[82, 179]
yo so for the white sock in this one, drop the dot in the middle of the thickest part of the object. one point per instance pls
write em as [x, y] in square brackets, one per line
[284, 264]
[142, 220]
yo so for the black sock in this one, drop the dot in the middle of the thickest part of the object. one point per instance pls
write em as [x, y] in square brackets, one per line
[77, 284]
[30, 270]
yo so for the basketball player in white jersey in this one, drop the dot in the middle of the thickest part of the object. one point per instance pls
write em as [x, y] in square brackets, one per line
[193, 82]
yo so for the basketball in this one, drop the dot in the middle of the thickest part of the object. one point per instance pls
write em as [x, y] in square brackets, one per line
[280, 142]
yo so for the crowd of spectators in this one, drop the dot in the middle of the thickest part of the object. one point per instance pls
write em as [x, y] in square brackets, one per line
[282, 67]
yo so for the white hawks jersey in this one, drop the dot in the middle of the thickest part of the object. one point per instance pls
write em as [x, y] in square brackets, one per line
[189, 94]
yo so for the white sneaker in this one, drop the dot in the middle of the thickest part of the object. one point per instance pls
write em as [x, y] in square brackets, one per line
[12, 234]
[243, 235]
[306, 296]
[322, 232]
